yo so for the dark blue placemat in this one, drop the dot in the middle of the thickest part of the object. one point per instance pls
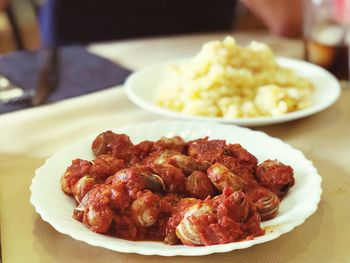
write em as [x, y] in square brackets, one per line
[80, 72]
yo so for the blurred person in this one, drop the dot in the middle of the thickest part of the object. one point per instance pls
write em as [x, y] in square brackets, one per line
[281, 17]
[64, 21]
[91, 20]
[3, 4]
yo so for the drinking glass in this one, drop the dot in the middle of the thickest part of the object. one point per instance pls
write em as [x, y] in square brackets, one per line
[327, 35]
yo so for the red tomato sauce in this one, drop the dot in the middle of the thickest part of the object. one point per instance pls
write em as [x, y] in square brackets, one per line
[201, 192]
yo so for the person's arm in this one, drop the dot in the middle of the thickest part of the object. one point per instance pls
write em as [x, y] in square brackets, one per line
[282, 17]
[3, 4]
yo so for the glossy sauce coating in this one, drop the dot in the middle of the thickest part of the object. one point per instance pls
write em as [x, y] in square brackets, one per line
[201, 192]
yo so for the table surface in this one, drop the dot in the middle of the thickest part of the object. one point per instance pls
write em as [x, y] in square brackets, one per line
[28, 137]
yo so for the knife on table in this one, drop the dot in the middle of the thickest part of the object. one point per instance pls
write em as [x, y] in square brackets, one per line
[48, 76]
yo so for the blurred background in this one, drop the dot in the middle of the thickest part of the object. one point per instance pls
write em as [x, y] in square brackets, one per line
[19, 19]
[19, 24]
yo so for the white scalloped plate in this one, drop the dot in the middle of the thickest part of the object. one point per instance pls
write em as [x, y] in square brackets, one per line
[141, 88]
[56, 208]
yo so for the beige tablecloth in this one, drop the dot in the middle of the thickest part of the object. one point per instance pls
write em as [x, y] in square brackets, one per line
[28, 137]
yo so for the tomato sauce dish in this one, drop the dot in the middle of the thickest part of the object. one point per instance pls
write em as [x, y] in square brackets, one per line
[176, 188]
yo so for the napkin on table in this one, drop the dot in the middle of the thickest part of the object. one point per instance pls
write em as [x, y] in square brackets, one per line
[80, 72]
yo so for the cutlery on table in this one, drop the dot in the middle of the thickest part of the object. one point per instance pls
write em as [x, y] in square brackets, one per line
[47, 82]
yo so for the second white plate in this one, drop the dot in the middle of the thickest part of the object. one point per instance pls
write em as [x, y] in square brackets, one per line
[141, 87]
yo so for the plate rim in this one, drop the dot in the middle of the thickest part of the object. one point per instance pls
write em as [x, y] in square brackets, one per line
[248, 122]
[192, 251]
